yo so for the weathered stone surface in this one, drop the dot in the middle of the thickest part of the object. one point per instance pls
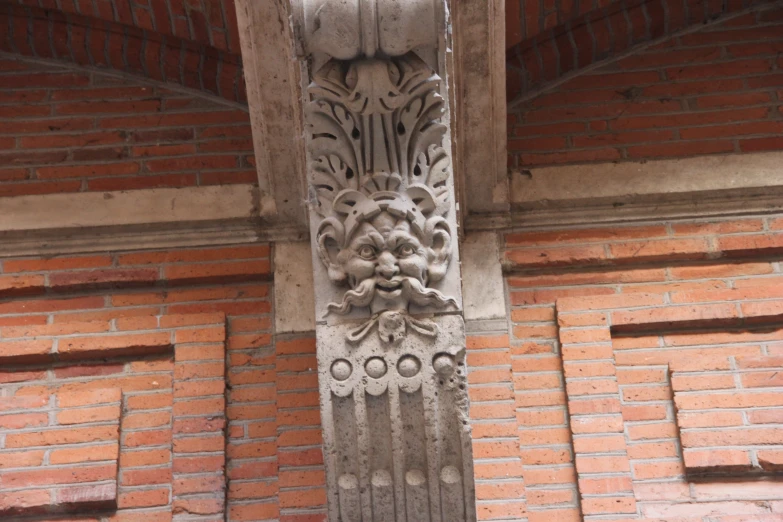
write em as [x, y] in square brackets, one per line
[395, 421]
[293, 288]
[391, 338]
[482, 284]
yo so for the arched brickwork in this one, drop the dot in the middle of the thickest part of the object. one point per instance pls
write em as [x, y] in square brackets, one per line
[527, 18]
[48, 33]
[207, 22]
[712, 91]
[602, 33]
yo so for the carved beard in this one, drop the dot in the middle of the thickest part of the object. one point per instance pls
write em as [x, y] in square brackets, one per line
[364, 293]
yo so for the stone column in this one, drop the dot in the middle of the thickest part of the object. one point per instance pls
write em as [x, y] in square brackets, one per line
[389, 322]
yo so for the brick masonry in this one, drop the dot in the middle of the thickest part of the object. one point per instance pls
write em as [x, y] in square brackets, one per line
[619, 398]
[624, 423]
[114, 304]
[118, 37]
[69, 461]
[714, 91]
[528, 18]
[606, 31]
[114, 415]
[541, 396]
[528, 436]
[70, 130]
[208, 22]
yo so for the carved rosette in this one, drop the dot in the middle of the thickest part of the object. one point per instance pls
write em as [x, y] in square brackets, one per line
[391, 343]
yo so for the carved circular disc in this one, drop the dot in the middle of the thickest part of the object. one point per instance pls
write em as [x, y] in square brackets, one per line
[450, 475]
[444, 364]
[375, 367]
[341, 369]
[408, 366]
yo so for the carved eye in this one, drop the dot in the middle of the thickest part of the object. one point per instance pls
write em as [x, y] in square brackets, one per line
[406, 250]
[367, 252]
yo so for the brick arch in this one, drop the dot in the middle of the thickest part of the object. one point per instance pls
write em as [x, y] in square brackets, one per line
[208, 22]
[604, 33]
[52, 34]
[527, 18]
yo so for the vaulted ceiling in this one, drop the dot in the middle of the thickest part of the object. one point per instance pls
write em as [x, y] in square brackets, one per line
[194, 43]
[547, 40]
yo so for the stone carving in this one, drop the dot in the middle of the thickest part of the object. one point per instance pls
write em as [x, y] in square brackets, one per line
[347, 30]
[395, 426]
[394, 406]
[379, 175]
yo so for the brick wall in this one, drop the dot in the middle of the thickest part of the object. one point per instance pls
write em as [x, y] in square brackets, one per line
[527, 18]
[643, 362]
[136, 38]
[209, 22]
[71, 130]
[109, 310]
[113, 416]
[674, 387]
[717, 90]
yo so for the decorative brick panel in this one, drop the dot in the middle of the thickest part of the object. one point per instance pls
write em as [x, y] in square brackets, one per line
[729, 421]
[617, 352]
[160, 380]
[234, 281]
[60, 452]
[736, 266]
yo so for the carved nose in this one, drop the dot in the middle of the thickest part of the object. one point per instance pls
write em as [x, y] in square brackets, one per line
[387, 265]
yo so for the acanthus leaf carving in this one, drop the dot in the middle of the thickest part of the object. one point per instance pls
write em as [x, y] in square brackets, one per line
[380, 172]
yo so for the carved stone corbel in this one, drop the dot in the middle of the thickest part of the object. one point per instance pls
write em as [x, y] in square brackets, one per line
[391, 340]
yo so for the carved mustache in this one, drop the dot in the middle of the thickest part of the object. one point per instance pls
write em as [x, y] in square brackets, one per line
[364, 293]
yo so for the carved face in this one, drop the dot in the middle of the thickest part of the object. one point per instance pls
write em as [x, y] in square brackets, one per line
[388, 266]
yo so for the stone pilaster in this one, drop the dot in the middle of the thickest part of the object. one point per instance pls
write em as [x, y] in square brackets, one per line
[389, 321]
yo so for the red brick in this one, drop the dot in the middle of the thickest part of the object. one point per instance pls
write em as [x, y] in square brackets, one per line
[45, 477]
[92, 453]
[87, 171]
[24, 501]
[88, 415]
[142, 343]
[69, 281]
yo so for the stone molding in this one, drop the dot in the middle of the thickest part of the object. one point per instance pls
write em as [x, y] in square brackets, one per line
[127, 220]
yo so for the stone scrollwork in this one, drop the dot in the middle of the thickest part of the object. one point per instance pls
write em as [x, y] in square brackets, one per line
[379, 178]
